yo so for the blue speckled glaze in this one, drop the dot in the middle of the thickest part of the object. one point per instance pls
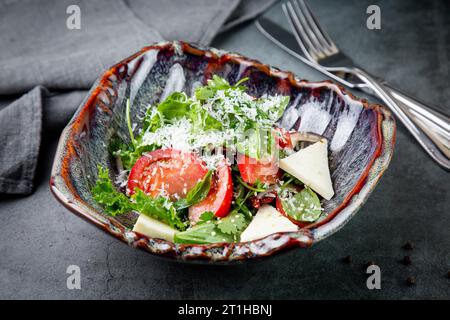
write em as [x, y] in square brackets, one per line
[361, 140]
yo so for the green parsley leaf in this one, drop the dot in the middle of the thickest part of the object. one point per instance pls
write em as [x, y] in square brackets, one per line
[234, 223]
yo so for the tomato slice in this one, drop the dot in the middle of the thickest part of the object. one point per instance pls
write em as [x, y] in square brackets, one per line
[219, 197]
[167, 171]
[252, 170]
[283, 138]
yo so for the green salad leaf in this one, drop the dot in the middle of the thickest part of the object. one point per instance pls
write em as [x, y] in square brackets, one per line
[159, 208]
[258, 143]
[104, 192]
[116, 203]
[216, 106]
[215, 84]
[203, 233]
[197, 193]
[233, 224]
[206, 216]
[303, 206]
[176, 105]
[129, 155]
[210, 229]
[153, 120]
[202, 120]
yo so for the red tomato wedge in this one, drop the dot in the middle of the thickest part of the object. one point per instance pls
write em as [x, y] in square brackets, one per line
[282, 138]
[219, 197]
[252, 170]
[168, 171]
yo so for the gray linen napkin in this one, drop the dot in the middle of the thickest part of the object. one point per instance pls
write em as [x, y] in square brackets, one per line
[42, 61]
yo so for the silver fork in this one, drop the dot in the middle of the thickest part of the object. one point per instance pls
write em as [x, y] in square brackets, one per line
[429, 128]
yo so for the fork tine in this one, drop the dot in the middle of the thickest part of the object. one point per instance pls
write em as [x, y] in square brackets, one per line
[302, 38]
[307, 52]
[323, 50]
[317, 29]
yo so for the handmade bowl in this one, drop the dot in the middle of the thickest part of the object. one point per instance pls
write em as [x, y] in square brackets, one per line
[361, 140]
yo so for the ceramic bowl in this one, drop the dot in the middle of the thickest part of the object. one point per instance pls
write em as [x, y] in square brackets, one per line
[361, 140]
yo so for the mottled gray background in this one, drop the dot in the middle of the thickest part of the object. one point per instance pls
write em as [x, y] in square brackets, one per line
[39, 239]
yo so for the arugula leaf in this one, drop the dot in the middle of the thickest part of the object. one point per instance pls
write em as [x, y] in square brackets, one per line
[129, 155]
[258, 187]
[202, 234]
[258, 143]
[201, 189]
[202, 120]
[104, 192]
[153, 120]
[290, 180]
[197, 193]
[215, 84]
[177, 105]
[303, 206]
[275, 110]
[242, 196]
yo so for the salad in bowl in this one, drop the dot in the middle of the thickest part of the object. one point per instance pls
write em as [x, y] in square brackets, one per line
[195, 153]
[213, 166]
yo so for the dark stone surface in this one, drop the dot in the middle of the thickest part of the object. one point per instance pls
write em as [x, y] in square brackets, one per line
[39, 239]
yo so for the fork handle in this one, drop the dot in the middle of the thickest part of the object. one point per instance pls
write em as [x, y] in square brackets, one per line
[435, 144]
[419, 108]
[435, 124]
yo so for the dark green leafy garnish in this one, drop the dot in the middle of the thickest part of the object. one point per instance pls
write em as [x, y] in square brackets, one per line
[233, 224]
[203, 233]
[104, 192]
[116, 203]
[197, 193]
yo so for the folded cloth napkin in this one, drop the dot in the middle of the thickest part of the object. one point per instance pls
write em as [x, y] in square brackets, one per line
[46, 67]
